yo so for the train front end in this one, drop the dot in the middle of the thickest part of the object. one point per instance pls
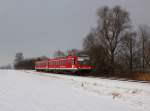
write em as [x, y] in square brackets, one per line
[84, 64]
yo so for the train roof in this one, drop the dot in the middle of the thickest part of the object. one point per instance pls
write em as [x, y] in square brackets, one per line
[57, 58]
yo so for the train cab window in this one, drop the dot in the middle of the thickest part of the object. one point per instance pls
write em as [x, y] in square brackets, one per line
[83, 60]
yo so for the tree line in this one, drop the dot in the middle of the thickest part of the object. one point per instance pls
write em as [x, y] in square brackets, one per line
[26, 63]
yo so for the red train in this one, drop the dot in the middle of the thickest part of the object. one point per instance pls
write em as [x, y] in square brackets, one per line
[68, 64]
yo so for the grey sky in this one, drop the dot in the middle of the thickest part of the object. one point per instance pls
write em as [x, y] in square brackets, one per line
[40, 27]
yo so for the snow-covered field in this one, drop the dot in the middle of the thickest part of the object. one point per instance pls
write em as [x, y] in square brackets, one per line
[36, 91]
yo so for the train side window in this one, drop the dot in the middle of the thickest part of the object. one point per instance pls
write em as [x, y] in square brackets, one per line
[70, 61]
[60, 62]
[64, 62]
[73, 62]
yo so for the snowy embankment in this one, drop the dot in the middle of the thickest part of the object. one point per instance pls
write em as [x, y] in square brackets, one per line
[36, 91]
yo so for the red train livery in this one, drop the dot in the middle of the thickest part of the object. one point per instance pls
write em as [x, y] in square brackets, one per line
[68, 64]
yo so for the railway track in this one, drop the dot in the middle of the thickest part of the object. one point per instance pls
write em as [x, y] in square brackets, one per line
[122, 79]
[112, 78]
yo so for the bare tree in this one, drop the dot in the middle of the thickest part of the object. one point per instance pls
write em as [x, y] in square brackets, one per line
[96, 52]
[147, 54]
[111, 25]
[129, 47]
[90, 40]
[144, 39]
[19, 57]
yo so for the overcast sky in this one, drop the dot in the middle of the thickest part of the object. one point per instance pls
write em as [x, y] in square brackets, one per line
[40, 27]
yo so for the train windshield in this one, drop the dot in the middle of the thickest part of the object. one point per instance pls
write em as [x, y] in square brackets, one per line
[83, 60]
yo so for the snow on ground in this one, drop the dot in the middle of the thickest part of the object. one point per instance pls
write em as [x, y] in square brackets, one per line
[37, 91]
